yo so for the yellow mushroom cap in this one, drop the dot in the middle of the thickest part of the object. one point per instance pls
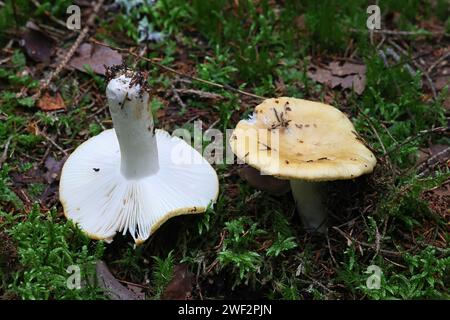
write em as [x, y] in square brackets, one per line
[299, 139]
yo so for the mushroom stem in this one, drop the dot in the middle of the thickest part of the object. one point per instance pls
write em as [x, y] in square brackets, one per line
[133, 123]
[309, 203]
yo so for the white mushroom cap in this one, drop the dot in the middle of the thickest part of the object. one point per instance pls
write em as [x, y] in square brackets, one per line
[99, 193]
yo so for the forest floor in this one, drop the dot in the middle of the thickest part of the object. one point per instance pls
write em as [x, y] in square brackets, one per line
[392, 84]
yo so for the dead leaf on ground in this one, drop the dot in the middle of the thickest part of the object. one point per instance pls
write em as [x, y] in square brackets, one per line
[181, 285]
[111, 286]
[38, 46]
[54, 168]
[347, 76]
[51, 103]
[95, 56]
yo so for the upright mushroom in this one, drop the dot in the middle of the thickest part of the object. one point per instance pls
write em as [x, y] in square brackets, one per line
[315, 142]
[133, 177]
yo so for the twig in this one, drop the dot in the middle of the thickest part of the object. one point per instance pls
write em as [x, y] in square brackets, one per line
[425, 73]
[53, 143]
[391, 52]
[200, 94]
[49, 15]
[402, 33]
[71, 51]
[331, 251]
[372, 127]
[177, 97]
[412, 138]
[133, 284]
[5, 151]
[434, 65]
[424, 167]
[169, 69]
[365, 244]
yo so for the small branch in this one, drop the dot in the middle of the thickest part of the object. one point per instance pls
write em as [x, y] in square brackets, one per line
[169, 69]
[438, 61]
[424, 167]
[365, 244]
[391, 52]
[53, 143]
[71, 51]
[331, 251]
[425, 73]
[177, 97]
[49, 15]
[5, 151]
[418, 135]
[199, 93]
[402, 33]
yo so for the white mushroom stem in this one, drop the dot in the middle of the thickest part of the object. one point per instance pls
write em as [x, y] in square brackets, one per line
[133, 122]
[310, 206]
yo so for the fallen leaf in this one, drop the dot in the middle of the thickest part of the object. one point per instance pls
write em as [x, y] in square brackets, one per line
[38, 46]
[181, 285]
[139, 291]
[347, 76]
[51, 103]
[321, 75]
[347, 68]
[96, 56]
[54, 168]
[111, 286]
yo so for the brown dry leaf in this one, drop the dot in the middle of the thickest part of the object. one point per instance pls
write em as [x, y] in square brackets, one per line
[95, 56]
[38, 46]
[51, 103]
[54, 168]
[347, 68]
[347, 76]
[181, 285]
[111, 286]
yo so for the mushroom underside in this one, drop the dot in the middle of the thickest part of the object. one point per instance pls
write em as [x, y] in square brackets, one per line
[103, 202]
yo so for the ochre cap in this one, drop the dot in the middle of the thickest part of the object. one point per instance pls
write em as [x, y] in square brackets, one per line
[299, 139]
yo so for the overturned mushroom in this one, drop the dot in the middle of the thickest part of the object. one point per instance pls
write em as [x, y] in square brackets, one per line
[133, 178]
[305, 142]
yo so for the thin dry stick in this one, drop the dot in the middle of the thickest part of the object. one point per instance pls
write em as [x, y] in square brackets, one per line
[49, 15]
[177, 97]
[5, 151]
[199, 93]
[412, 138]
[53, 143]
[418, 66]
[330, 250]
[365, 244]
[370, 123]
[424, 167]
[169, 69]
[71, 51]
[402, 33]
[442, 58]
